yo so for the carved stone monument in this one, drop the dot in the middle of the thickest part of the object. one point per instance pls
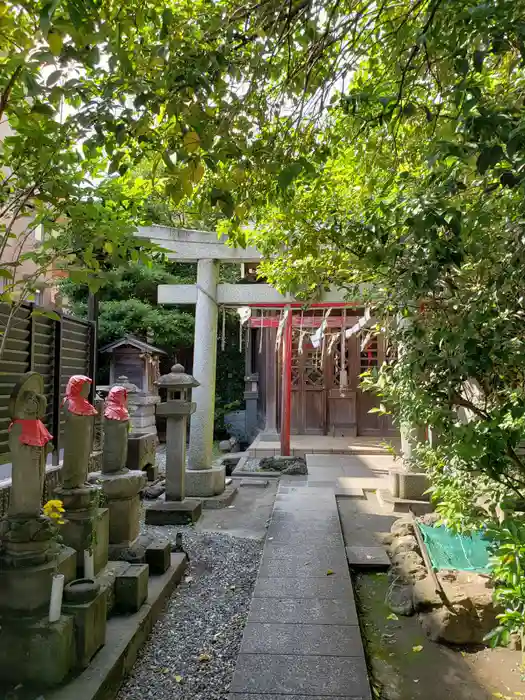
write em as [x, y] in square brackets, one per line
[175, 508]
[121, 487]
[87, 526]
[32, 647]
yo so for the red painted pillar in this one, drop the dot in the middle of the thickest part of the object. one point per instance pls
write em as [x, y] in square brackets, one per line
[286, 412]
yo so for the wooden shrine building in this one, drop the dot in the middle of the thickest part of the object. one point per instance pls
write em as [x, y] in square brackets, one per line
[325, 395]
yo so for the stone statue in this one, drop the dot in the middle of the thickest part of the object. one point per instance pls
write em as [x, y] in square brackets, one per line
[28, 438]
[116, 428]
[78, 436]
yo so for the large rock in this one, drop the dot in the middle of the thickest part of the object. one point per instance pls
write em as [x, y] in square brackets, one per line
[424, 594]
[399, 598]
[402, 527]
[471, 613]
[409, 565]
[404, 544]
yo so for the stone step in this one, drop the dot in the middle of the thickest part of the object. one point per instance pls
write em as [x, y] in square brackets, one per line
[366, 558]
[403, 505]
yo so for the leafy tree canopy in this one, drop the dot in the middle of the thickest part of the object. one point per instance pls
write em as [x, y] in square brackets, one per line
[413, 195]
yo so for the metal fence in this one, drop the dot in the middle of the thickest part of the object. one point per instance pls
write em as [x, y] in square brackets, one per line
[56, 349]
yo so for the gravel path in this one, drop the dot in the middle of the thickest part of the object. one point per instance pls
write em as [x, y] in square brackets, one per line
[194, 646]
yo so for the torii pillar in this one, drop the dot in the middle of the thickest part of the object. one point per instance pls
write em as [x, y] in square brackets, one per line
[201, 478]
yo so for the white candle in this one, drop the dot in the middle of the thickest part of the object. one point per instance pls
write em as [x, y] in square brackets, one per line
[89, 564]
[55, 604]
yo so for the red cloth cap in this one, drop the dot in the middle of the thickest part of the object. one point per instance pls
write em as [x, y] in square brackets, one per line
[34, 432]
[75, 402]
[117, 404]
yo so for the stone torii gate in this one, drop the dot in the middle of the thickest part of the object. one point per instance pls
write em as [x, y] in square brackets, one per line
[207, 250]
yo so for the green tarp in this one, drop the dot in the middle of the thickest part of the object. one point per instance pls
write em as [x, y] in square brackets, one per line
[450, 551]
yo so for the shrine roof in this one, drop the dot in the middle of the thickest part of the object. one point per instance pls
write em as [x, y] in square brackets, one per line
[135, 343]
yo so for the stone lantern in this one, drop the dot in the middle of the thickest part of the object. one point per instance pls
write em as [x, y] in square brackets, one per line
[175, 508]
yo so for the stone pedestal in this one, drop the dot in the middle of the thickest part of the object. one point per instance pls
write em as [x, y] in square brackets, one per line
[142, 413]
[409, 485]
[90, 627]
[37, 651]
[86, 526]
[202, 483]
[121, 492]
[142, 451]
[184, 512]
[28, 589]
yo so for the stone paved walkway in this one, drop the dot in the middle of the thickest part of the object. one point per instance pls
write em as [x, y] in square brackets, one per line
[302, 638]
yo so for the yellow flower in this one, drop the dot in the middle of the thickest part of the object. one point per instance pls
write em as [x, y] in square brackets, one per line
[53, 509]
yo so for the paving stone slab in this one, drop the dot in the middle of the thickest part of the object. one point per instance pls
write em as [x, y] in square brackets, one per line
[305, 565]
[291, 522]
[300, 538]
[317, 508]
[306, 489]
[303, 549]
[320, 498]
[311, 675]
[330, 587]
[303, 611]
[367, 557]
[302, 640]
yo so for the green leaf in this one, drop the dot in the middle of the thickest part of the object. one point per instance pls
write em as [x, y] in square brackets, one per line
[44, 109]
[55, 43]
[191, 141]
[479, 57]
[488, 158]
[513, 145]
[288, 175]
[48, 314]
[46, 13]
[54, 77]
[5, 273]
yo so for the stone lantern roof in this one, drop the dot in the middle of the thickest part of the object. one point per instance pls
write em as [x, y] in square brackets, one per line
[177, 379]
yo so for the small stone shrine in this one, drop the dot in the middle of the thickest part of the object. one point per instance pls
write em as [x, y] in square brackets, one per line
[87, 525]
[134, 364]
[32, 648]
[138, 362]
[173, 507]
